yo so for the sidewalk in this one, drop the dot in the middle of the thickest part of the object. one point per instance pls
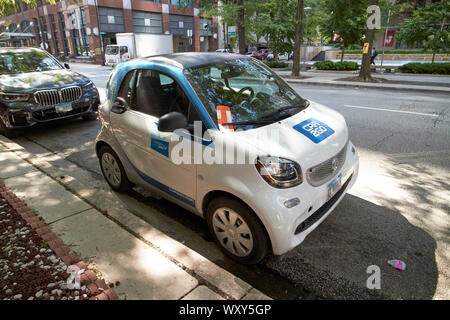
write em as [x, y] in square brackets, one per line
[416, 83]
[147, 263]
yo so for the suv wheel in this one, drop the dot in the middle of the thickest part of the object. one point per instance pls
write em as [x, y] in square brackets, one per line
[7, 132]
[237, 230]
[90, 116]
[113, 170]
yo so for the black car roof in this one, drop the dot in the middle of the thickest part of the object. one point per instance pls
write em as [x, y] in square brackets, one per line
[187, 60]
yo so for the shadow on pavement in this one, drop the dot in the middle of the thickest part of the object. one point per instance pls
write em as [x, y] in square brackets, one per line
[335, 257]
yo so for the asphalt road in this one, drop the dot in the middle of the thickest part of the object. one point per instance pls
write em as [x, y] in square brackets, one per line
[398, 209]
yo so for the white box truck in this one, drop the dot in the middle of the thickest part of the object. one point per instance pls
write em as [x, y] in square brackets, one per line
[137, 45]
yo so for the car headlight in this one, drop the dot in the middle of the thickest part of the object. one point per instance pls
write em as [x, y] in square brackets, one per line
[14, 97]
[279, 172]
[89, 86]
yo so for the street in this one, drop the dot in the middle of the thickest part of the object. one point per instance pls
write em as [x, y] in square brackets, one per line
[398, 209]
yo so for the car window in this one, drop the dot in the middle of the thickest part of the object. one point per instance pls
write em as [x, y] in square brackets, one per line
[126, 89]
[158, 94]
[24, 61]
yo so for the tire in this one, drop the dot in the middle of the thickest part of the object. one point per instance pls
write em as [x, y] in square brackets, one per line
[89, 116]
[7, 132]
[248, 245]
[113, 170]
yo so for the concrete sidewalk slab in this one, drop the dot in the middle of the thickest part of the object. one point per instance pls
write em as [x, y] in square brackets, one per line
[143, 273]
[12, 165]
[202, 293]
[47, 197]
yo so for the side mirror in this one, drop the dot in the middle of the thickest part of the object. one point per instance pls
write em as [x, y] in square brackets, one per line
[119, 106]
[171, 122]
[66, 65]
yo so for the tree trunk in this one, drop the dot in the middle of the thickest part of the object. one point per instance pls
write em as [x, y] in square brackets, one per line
[434, 55]
[298, 40]
[364, 73]
[342, 53]
[240, 26]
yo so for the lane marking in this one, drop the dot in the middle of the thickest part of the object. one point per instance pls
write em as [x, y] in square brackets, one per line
[389, 110]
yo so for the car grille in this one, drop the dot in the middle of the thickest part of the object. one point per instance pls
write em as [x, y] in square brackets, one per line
[54, 97]
[325, 171]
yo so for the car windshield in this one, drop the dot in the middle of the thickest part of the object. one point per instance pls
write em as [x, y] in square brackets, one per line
[112, 50]
[24, 61]
[251, 90]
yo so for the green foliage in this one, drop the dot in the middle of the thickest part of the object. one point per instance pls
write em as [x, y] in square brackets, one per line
[400, 51]
[427, 27]
[276, 64]
[8, 6]
[426, 68]
[346, 18]
[276, 22]
[337, 66]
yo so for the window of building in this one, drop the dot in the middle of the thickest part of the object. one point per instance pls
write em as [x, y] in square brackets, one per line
[183, 3]
[54, 35]
[62, 25]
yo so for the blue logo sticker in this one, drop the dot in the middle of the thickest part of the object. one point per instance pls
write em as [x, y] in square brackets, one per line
[160, 146]
[315, 130]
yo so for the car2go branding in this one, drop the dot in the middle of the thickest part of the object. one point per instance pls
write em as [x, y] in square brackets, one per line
[315, 130]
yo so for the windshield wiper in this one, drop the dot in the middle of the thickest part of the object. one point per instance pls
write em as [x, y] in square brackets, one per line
[249, 122]
[284, 109]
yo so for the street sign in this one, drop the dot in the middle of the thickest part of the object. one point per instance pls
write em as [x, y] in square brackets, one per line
[366, 48]
[102, 33]
[232, 32]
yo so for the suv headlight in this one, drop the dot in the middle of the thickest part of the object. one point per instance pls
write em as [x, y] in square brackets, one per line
[14, 97]
[89, 86]
[279, 172]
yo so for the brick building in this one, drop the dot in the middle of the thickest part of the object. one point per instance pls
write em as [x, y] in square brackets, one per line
[69, 29]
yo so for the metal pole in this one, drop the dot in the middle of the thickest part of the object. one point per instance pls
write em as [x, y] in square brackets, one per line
[385, 36]
[102, 49]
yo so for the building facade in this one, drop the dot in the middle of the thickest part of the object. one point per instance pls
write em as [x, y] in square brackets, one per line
[74, 30]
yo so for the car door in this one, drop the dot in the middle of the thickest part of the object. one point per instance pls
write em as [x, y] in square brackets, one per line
[149, 150]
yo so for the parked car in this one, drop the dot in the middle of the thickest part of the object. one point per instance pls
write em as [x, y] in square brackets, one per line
[36, 88]
[223, 50]
[281, 57]
[261, 54]
[291, 181]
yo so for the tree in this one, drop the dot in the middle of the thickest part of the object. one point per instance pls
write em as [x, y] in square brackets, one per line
[364, 73]
[298, 39]
[276, 22]
[427, 27]
[8, 6]
[344, 22]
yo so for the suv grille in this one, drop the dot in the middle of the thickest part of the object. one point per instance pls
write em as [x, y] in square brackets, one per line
[54, 97]
[322, 173]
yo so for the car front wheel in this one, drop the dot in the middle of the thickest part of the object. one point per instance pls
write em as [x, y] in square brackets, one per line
[237, 230]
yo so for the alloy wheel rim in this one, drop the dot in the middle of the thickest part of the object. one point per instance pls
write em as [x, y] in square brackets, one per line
[232, 232]
[111, 169]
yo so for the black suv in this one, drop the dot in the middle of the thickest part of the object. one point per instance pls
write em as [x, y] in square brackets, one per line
[35, 87]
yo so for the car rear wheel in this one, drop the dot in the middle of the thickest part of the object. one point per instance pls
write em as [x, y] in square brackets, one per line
[237, 230]
[113, 170]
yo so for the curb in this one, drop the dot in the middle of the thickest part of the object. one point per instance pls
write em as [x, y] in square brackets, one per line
[358, 85]
[94, 284]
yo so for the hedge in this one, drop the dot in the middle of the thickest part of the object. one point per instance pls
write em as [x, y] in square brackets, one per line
[338, 66]
[426, 68]
[276, 64]
[398, 51]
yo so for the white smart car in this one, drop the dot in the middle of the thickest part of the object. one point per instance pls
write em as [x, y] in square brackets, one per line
[226, 138]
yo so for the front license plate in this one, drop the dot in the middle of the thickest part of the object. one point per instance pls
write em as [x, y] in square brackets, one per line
[64, 107]
[334, 186]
